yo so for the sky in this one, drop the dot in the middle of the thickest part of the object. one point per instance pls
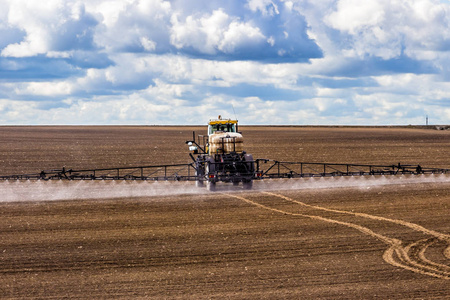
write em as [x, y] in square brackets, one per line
[292, 62]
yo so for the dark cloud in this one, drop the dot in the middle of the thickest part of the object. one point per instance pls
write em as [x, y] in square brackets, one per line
[402, 64]
[37, 68]
[288, 29]
[90, 59]
[375, 66]
[283, 35]
[75, 34]
[10, 35]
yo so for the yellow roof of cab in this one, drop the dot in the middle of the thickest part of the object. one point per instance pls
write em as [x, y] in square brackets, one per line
[214, 122]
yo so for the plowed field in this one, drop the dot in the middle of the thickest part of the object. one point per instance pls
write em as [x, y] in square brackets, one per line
[327, 238]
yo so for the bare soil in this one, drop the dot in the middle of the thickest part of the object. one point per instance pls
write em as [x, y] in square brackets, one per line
[388, 241]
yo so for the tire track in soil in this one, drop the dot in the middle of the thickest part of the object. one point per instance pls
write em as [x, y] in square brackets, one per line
[410, 257]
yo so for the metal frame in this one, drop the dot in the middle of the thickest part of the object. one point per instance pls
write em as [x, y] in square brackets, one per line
[265, 168]
[282, 169]
[159, 172]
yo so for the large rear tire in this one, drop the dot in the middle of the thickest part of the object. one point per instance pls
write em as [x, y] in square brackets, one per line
[250, 164]
[199, 174]
[210, 168]
[247, 185]
[211, 186]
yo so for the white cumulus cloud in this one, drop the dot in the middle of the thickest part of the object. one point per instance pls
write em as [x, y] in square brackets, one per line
[53, 25]
[388, 29]
[217, 32]
[175, 62]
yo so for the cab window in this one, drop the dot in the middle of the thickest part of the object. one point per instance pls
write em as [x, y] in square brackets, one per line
[228, 127]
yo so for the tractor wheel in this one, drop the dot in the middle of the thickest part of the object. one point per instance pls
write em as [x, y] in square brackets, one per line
[199, 174]
[247, 185]
[250, 165]
[211, 186]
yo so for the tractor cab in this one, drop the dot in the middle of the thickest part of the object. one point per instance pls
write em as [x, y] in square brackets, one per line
[219, 126]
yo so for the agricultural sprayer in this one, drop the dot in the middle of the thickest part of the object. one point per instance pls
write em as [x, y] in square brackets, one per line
[219, 157]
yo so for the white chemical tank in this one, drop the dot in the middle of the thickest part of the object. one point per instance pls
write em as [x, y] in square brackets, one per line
[225, 142]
